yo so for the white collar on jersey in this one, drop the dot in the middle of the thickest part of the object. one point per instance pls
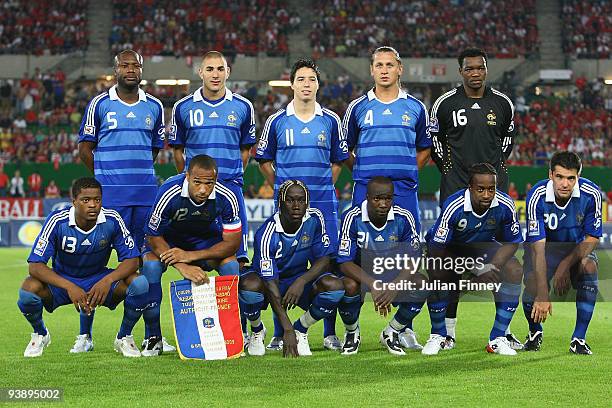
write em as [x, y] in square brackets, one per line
[401, 94]
[364, 212]
[199, 97]
[279, 225]
[185, 191]
[291, 109]
[467, 201]
[72, 217]
[113, 95]
[550, 191]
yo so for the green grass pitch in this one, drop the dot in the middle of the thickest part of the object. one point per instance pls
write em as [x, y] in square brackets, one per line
[465, 376]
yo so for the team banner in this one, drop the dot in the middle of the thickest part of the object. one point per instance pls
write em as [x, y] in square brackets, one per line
[206, 318]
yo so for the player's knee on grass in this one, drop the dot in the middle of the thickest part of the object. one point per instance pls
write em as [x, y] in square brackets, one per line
[228, 266]
[328, 284]
[351, 287]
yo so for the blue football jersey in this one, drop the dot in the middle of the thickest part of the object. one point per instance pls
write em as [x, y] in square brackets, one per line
[305, 151]
[570, 224]
[385, 137]
[77, 253]
[125, 135]
[359, 235]
[459, 224]
[188, 225]
[218, 129]
[279, 255]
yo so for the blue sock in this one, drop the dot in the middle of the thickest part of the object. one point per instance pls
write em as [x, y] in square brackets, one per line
[527, 308]
[323, 305]
[152, 270]
[506, 303]
[31, 306]
[250, 306]
[586, 295]
[329, 325]
[278, 328]
[133, 305]
[229, 268]
[406, 312]
[349, 308]
[86, 322]
[437, 314]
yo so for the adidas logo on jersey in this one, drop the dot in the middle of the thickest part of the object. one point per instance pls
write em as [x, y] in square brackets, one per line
[196, 213]
[387, 112]
[476, 106]
[379, 239]
[305, 131]
[478, 225]
[213, 115]
[86, 242]
[562, 216]
[294, 243]
[130, 115]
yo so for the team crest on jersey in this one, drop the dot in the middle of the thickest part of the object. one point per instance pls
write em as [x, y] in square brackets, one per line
[441, 234]
[89, 130]
[154, 222]
[208, 322]
[345, 247]
[433, 125]
[491, 221]
[149, 122]
[41, 245]
[231, 119]
[172, 134]
[534, 227]
[579, 218]
[491, 117]
[321, 139]
[266, 267]
[393, 238]
[102, 243]
[305, 238]
[405, 119]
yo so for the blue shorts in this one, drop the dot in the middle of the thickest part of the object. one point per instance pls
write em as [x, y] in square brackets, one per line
[135, 218]
[409, 200]
[61, 298]
[243, 251]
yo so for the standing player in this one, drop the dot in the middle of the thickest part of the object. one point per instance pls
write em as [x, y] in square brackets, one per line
[79, 241]
[376, 226]
[474, 223]
[285, 245]
[216, 122]
[563, 230]
[305, 142]
[121, 134]
[387, 131]
[194, 226]
[470, 124]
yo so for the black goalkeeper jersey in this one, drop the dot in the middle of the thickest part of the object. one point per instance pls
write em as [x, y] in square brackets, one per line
[467, 130]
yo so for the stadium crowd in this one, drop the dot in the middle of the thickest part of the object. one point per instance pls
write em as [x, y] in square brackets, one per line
[587, 28]
[424, 28]
[41, 27]
[167, 27]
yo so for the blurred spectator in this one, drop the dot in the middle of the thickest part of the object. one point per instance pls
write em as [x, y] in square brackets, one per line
[265, 190]
[587, 31]
[16, 188]
[52, 190]
[4, 182]
[34, 185]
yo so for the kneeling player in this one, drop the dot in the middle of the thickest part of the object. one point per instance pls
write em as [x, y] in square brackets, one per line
[194, 226]
[563, 230]
[473, 223]
[79, 242]
[284, 246]
[376, 226]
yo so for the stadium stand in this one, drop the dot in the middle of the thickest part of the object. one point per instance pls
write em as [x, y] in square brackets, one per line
[178, 28]
[42, 27]
[424, 28]
[587, 28]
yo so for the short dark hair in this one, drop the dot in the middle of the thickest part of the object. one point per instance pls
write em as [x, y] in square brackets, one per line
[203, 161]
[471, 52]
[305, 63]
[379, 180]
[567, 160]
[83, 183]
[480, 168]
[213, 54]
[138, 57]
[282, 190]
[386, 48]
